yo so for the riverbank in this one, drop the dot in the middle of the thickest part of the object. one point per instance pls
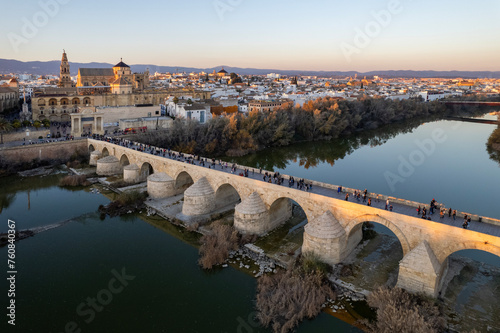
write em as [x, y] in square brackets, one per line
[28, 157]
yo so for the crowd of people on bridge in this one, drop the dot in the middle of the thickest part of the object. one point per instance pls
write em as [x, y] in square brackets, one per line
[274, 178]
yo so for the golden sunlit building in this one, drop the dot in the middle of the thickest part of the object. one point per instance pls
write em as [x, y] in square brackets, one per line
[99, 87]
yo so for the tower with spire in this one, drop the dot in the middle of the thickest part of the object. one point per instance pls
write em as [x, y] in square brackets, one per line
[64, 76]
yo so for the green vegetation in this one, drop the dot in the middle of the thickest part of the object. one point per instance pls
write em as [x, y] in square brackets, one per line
[5, 127]
[16, 123]
[322, 119]
[311, 263]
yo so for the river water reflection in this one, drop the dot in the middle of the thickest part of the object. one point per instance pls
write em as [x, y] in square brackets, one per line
[445, 160]
[61, 270]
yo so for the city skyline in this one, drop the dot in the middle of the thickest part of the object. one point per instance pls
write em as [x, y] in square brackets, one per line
[315, 36]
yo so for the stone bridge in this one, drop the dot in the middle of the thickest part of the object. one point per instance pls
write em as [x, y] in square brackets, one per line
[334, 225]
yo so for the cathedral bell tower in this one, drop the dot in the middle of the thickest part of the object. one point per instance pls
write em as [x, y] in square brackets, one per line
[64, 76]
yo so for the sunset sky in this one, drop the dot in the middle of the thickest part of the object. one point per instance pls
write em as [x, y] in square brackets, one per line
[359, 35]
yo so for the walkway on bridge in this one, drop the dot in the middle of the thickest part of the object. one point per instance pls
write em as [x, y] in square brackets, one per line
[485, 228]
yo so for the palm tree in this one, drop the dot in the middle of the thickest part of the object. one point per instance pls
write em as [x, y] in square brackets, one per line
[5, 126]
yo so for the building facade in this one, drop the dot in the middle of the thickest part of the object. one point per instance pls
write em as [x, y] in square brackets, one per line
[199, 112]
[100, 87]
[268, 105]
[9, 95]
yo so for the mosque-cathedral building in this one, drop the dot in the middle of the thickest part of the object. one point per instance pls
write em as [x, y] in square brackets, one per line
[99, 87]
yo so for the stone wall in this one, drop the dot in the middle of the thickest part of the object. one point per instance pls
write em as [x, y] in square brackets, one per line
[114, 114]
[21, 134]
[44, 151]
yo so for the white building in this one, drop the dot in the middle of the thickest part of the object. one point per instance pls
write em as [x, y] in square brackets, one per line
[199, 112]
[430, 96]
[243, 107]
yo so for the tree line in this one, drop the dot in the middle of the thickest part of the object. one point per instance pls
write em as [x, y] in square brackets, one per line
[322, 119]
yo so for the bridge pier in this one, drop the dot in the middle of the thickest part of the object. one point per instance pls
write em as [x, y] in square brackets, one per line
[421, 272]
[199, 199]
[325, 237]
[131, 173]
[251, 216]
[160, 185]
[108, 166]
[94, 156]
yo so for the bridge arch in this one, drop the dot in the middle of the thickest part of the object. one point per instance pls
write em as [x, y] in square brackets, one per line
[356, 223]
[182, 181]
[476, 248]
[453, 247]
[281, 209]
[226, 195]
[146, 170]
[91, 148]
[124, 161]
[105, 152]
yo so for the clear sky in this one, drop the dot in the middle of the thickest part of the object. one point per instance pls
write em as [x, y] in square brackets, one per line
[357, 35]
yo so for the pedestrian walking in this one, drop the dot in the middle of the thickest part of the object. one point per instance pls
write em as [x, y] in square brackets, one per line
[387, 204]
[454, 214]
[449, 212]
[418, 210]
[347, 197]
[369, 201]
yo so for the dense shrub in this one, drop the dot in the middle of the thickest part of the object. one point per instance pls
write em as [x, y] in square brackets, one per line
[285, 298]
[216, 246]
[75, 180]
[402, 312]
[125, 203]
[324, 118]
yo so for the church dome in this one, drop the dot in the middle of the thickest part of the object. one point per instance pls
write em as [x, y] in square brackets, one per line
[121, 64]
[222, 71]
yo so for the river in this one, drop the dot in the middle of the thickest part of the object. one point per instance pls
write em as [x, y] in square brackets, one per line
[60, 271]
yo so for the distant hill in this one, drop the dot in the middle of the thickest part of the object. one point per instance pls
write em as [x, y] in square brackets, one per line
[52, 67]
